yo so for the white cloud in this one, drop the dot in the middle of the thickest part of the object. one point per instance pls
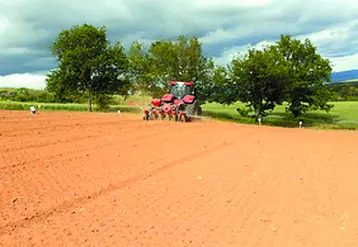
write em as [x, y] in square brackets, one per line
[345, 63]
[335, 41]
[230, 53]
[332, 43]
[17, 51]
[35, 81]
[4, 23]
[230, 3]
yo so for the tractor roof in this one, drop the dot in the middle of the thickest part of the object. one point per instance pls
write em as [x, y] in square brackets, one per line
[185, 82]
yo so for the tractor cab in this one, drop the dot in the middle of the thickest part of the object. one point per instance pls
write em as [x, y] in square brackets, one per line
[181, 89]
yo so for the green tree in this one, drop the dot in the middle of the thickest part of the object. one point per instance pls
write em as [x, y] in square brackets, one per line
[349, 91]
[56, 84]
[88, 64]
[308, 72]
[258, 79]
[140, 70]
[165, 60]
[223, 90]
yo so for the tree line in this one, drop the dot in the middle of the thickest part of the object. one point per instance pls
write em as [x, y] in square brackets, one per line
[290, 70]
[342, 92]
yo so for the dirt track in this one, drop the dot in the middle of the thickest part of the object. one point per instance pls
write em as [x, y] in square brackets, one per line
[79, 179]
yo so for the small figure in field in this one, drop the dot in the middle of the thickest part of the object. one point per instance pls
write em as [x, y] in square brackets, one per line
[33, 109]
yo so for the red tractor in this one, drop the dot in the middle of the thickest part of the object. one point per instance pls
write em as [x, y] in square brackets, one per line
[179, 104]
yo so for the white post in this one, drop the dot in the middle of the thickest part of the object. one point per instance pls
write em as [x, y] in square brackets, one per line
[259, 119]
[33, 109]
[119, 112]
[300, 124]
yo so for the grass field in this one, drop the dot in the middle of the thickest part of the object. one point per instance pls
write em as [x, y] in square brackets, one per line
[59, 107]
[343, 116]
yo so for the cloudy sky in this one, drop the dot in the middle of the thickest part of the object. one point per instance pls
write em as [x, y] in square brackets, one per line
[27, 27]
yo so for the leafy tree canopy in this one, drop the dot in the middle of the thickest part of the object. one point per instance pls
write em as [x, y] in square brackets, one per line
[308, 72]
[289, 70]
[260, 79]
[163, 61]
[88, 64]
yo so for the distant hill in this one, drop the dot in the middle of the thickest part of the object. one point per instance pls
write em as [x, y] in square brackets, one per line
[344, 76]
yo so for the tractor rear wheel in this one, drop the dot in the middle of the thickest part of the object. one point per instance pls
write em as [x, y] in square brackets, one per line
[193, 109]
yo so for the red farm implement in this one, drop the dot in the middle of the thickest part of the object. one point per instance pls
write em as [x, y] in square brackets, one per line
[179, 104]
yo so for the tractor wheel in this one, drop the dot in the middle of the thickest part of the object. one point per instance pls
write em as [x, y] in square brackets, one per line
[184, 118]
[193, 109]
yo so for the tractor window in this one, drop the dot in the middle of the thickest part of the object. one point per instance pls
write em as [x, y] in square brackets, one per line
[189, 90]
[181, 90]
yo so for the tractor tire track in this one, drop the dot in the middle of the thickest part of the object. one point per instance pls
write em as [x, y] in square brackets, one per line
[36, 149]
[58, 209]
[46, 163]
[174, 184]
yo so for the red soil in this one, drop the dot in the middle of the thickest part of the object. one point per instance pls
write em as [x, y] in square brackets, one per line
[80, 179]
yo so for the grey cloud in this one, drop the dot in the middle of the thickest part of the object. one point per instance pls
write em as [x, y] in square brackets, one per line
[35, 24]
[23, 64]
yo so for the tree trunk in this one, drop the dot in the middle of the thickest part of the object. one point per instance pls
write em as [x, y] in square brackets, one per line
[89, 104]
[257, 111]
[257, 108]
[294, 108]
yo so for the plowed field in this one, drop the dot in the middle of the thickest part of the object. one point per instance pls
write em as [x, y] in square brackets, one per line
[81, 179]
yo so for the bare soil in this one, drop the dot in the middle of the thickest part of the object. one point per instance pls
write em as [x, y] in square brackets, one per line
[91, 179]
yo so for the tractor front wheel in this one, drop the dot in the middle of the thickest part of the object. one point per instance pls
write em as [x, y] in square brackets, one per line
[183, 118]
